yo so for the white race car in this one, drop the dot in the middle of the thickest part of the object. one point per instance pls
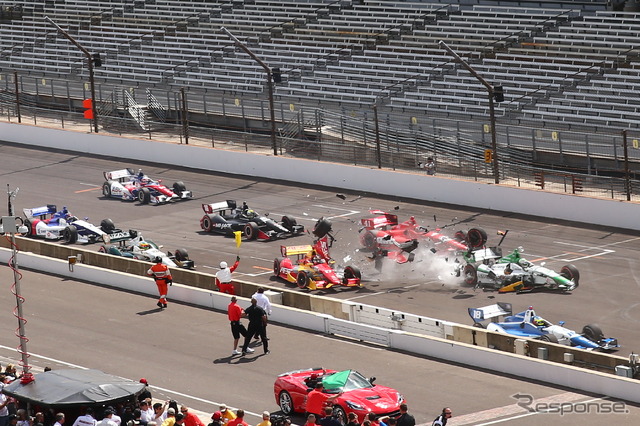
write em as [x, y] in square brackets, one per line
[130, 186]
[48, 223]
[140, 248]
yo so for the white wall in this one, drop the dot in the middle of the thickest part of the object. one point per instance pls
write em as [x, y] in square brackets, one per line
[402, 184]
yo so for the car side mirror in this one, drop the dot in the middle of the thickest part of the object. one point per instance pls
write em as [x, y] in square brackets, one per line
[543, 263]
[561, 323]
[372, 379]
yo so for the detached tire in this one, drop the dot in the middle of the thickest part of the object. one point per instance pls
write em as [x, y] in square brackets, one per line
[302, 280]
[70, 234]
[570, 272]
[322, 227]
[476, 237]
[460, 236]
[144, 195]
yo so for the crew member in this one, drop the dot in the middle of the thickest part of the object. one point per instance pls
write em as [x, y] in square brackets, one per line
[223, 277]
[161, 274]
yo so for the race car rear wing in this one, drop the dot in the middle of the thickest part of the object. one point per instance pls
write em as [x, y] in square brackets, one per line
[219, 207]
[379, 221]
[490, 312]
[40, 211]
[295, 250]
[121, 176]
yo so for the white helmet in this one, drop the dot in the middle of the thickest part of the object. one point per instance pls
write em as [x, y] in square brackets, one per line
[223, 265]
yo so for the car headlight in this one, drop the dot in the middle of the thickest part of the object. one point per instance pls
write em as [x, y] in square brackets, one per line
[354, 406]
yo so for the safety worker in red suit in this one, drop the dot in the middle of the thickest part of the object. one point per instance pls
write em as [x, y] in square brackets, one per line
[223, 277]
[161, 274]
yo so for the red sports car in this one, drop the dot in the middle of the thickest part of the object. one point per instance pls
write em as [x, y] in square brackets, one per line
[384, 235]
[359, 394]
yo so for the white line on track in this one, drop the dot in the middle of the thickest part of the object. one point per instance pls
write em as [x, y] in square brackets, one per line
[89, 184]
[195, 398]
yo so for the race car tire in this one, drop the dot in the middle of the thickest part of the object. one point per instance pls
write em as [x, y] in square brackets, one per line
[460, 236]
[285, 402]
[289, 223]
[179, 187]
[340, 414]
[251, 230]
[551, 338]
[207, 222]
[106, 189]
[302, 280]
[181, 255]
[276, 266]
[322, 227]
[351, 272]
[369, 240]
[476, 237]
[470, 274]
[103, 249]
[107, 225]
[593, 332]
[27, 223]
[70, 234]
[571, 272]
[144, 195]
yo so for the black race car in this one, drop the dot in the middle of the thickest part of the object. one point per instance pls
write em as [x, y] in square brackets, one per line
[227, 218]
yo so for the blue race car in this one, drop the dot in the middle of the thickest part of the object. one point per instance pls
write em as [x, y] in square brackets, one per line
[529, 325]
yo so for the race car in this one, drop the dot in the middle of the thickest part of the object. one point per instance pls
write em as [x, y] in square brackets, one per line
[528, 324]
[488, 269]
[313, 267]
[226, 218]
[385, 236]
[49, 223]
[140, 248]
[130, 186]
[359, 394]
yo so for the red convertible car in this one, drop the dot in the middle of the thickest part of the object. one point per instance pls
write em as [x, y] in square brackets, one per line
[385, 236]
[359, 394]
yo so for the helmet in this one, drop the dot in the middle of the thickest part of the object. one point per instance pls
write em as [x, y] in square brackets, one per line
[223, 265]
[144, 246]
[158, 259]
[250, 213]
[538, 321]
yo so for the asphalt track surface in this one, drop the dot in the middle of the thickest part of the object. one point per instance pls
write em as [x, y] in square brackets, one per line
[185, 349]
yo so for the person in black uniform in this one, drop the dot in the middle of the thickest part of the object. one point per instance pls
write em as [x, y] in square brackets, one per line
[257, 326]
[442, 419]
[405, 419]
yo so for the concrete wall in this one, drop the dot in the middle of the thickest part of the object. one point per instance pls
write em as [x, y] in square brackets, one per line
[403, 184]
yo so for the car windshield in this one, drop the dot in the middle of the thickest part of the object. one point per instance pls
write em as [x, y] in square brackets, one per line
[346, 381]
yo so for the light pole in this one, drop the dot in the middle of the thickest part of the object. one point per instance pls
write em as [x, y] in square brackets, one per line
[375, 117]
[90, 65]
[492, 115]
[269, 85]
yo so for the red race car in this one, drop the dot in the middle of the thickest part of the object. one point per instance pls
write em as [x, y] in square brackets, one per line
[385, 236]
[358, 394]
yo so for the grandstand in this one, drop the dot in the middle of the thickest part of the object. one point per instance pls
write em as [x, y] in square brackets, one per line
[565, 66]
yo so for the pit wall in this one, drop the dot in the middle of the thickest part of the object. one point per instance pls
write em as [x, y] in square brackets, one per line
[359, 179]
[589, 371]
